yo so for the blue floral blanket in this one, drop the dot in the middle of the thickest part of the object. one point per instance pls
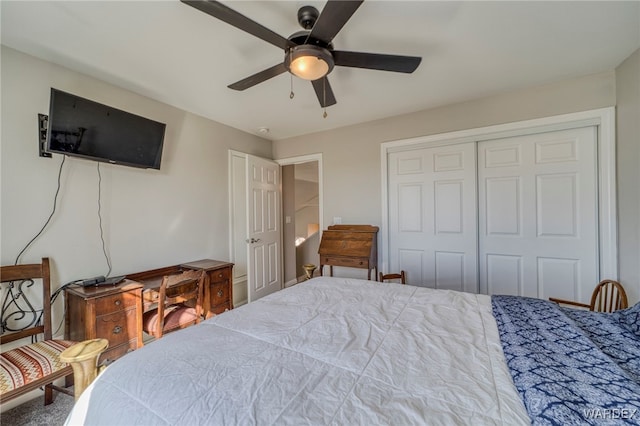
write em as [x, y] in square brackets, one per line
[572, 367]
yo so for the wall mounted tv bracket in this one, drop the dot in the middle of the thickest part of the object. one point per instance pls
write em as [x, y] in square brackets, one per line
[43, 122]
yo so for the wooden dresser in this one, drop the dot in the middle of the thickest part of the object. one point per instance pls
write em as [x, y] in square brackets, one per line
[353, 246]
[218, 295]
[113, 313]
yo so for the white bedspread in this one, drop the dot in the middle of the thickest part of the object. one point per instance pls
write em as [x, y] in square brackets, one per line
[327, 351]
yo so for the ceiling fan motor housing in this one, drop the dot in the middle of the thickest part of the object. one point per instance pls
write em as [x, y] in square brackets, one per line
[307, 17]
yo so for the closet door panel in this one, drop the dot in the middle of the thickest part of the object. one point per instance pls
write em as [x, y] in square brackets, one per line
[432, 216]
[538, 214]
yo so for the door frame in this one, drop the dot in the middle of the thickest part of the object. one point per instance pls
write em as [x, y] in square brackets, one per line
[233, 218]
[603, 119]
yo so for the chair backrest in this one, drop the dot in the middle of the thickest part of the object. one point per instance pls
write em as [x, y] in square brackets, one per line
[18, 278]
[393, 276]
[185, 288]
[609, 296]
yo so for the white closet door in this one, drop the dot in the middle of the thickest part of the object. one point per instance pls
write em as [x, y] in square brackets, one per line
[538, 222]
[432, 216]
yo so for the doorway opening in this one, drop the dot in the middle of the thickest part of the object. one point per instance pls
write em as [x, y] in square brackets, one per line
[302, 215]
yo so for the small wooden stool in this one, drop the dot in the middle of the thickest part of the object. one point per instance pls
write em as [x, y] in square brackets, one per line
[83, 358]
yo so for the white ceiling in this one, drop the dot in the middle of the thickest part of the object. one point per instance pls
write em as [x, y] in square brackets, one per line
[178, 55]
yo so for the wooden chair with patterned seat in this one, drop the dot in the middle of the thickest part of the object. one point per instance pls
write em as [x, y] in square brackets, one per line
[29, 366]
[179, 303]
[393, 276]
[608, 296]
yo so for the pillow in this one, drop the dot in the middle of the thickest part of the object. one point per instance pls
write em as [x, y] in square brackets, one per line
[630, 318]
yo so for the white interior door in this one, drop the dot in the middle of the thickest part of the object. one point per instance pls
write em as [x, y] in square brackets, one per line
[538, 214]
[264, 234]
[432, 216]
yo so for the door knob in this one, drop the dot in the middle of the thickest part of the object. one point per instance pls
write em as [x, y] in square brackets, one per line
[252, 240]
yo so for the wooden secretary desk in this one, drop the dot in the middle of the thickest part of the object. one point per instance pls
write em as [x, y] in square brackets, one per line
[353, 246]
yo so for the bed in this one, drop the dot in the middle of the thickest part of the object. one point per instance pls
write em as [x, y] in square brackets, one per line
[346, 352]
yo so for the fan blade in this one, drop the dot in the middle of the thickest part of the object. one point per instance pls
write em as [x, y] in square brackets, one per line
[258, 77]
[335, 14]
[231, 17]
[324, 92]
[376, 61]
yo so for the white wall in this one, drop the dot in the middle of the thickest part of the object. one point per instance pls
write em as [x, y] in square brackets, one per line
[150, 218]
[352, 176]
[628, 132]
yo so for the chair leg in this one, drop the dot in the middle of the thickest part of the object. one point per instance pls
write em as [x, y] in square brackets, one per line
[48, 394]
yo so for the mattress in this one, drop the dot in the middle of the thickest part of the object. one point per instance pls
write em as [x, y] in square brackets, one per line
[329, 351]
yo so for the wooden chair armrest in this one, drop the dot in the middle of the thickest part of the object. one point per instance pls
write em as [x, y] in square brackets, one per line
[569, 302]
[83, 357]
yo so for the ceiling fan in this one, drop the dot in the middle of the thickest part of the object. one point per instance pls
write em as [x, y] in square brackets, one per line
[309, 53]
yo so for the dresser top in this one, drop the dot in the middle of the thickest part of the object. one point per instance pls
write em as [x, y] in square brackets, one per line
[206, 264]
[90, 292]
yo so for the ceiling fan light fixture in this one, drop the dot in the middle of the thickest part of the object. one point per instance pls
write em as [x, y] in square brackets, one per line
[309, 62]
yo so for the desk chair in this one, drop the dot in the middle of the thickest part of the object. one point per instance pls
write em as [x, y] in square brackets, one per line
[30, 366]
[387, 277]
[608, 296]
[179, 303]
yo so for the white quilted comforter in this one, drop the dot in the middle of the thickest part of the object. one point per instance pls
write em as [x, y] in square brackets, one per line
[328, 351]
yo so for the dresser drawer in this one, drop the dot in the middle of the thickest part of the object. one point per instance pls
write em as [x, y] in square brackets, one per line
[219, 275]
[115, 302]
[117, 327]
[220, 294]
[344, 261]
[219, 309]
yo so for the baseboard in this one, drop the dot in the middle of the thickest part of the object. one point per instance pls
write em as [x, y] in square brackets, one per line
[240, 295]
[291, 282]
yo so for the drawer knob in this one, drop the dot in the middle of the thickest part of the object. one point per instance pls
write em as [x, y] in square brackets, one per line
[118, 302]
[117, 329]
[220, 293]
[220, 275]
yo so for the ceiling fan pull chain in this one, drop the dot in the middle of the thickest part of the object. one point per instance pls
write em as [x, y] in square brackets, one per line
[324, 96]
[291, 94]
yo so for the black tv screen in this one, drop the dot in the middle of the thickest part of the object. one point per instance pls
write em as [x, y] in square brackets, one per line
[88, 129]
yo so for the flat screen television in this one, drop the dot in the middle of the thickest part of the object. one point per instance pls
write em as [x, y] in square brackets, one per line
[82, 128]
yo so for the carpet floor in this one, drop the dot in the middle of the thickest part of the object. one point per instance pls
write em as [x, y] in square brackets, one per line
[35, 413]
